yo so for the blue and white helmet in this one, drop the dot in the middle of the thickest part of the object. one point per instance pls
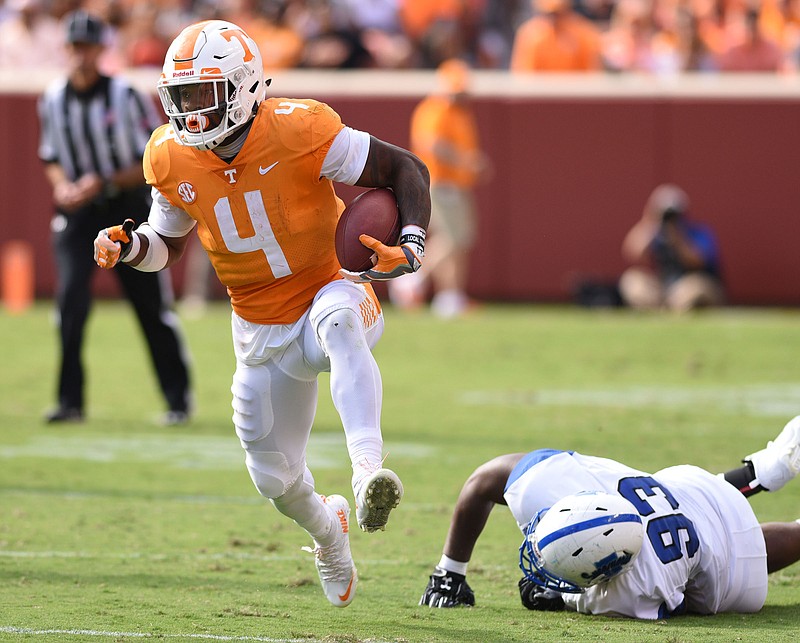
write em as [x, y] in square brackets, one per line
[582, 540]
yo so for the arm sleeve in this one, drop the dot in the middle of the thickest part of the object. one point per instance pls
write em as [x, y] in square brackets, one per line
[346, 156]
[168, 220]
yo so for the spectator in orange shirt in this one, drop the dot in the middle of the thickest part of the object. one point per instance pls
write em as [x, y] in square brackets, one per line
[557, 39]
[417, 16]
[444, 134]
[780, 21]
[443, 29]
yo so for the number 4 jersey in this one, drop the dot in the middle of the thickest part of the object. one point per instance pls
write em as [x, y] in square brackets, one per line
[703, 549]
[267, 219]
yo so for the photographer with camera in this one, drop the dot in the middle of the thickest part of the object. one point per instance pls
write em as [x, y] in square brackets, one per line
[675, 260]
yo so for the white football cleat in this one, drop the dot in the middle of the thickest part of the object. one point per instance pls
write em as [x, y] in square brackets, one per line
[337, 572]
[779, 462]
[376, 493]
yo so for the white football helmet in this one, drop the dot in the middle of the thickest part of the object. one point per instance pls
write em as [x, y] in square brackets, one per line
[583, 539]
[213, 79]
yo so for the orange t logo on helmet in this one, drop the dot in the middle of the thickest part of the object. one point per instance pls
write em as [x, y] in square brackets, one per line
[232, 33]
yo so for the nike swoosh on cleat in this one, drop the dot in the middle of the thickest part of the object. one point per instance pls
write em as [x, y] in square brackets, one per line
[263, 170]
[346, 595]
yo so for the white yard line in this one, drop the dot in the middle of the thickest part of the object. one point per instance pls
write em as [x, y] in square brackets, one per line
[770, 400]
[253, 499]
[326, 451]
[147, 635]
[83, 555]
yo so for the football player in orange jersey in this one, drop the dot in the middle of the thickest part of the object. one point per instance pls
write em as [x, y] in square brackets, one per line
[255, 176]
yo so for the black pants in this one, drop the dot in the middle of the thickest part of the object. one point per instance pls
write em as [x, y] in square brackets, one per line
[149, 293]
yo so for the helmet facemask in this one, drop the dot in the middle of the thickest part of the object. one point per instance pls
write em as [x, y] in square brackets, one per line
[204, 110]
[533, 565]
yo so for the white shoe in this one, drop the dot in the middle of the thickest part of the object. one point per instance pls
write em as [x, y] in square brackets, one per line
[449, 304]
[780, 461]
[337, 572]
[377, 493]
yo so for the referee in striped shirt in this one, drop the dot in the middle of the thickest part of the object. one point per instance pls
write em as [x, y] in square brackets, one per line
[94, 129]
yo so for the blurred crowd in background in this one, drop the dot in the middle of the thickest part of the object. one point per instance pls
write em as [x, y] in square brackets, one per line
[524, 36]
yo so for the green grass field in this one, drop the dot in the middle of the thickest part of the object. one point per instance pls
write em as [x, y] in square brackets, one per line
[118, 529]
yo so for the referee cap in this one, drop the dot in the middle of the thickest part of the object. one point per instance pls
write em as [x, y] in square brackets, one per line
[85, 28]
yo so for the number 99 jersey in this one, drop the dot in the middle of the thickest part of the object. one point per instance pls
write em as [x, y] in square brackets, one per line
[267, 218]
[703, 550]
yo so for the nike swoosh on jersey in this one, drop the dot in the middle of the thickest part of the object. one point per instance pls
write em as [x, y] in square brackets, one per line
[263, 170]
[346, 595]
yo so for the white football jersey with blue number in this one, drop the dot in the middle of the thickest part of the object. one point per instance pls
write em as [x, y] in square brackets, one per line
[703, 551]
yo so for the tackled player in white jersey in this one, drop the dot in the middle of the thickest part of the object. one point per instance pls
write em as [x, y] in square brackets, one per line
[603, 538]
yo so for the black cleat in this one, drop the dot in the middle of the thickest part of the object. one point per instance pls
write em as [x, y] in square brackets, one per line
[62, 415]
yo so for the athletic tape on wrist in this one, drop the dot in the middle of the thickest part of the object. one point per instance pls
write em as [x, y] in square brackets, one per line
[136, 245]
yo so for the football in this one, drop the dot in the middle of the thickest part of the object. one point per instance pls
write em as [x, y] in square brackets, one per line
[373, 212]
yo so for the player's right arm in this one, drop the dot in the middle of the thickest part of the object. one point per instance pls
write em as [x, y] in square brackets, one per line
[153, 246]
[480, 493]
[162, 239]
[393, 167]
[389, 166]
[175, 247]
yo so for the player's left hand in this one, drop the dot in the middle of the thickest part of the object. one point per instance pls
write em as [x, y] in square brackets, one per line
[392, 262]
[112, 244]
[447, 589]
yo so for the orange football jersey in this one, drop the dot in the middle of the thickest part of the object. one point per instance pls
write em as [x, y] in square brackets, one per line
[266, 219]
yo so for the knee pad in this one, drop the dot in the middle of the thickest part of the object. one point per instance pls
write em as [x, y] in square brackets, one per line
[303, 505]
[298, 492]
[269, 471]
[253, 420]
[252, 411]
[341, 328]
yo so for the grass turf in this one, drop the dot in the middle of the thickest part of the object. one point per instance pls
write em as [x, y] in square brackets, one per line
[118, 529]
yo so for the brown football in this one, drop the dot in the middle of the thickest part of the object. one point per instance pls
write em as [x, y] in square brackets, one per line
[373, 212]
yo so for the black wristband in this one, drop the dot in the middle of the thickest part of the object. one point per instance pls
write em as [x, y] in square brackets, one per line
[416, 239]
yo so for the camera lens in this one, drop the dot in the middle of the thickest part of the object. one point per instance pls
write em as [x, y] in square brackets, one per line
[670, 214]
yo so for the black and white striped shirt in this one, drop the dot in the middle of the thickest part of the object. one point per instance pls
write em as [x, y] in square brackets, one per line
[101, 131]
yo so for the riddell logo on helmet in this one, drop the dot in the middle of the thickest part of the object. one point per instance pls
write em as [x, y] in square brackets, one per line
[177, 74]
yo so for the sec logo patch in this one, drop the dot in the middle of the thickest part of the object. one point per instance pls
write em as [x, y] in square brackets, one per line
[187, 192]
